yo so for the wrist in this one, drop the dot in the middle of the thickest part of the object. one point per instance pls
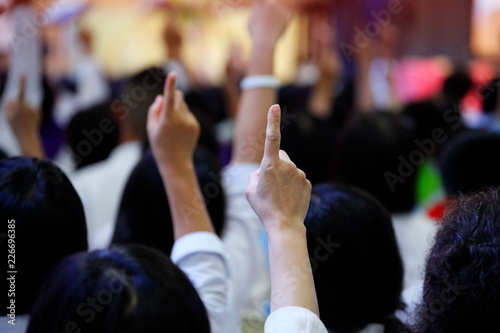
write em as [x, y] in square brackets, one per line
[261, 61]
[174, 165]
[287, 227]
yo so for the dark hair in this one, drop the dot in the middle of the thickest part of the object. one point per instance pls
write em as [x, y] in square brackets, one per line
[308, 141]
[49, 221]
[462, 276]
[427, 118]
[369, 151]
[358, 272]
[456, 86]
[139, 93]
[125, 289]
[2, 154]
[207, 104]
[471, 162]
[144, 213]
[489, 96]
[91, 135]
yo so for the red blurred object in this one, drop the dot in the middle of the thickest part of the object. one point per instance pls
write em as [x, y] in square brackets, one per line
[437, 211]
[419, 79]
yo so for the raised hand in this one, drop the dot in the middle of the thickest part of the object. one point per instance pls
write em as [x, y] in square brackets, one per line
[173, 40]
[25, 122]
[173, 130]
[268, 22]
[278, 192]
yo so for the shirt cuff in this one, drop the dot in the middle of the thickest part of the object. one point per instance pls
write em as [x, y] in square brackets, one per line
[196, 242]
[294, 319]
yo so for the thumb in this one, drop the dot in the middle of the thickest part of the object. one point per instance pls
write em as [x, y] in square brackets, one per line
[253, 181]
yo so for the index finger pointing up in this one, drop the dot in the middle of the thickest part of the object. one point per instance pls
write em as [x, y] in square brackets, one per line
[273, 136]
[169, 92]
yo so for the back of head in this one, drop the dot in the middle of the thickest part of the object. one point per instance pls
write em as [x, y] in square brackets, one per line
[471, 162]
[354, 256]
[144, 213]
[47, 215]
[376, 153]
[462, 277]
[308, 141]
[456, 86]
[139, 93]
[92, 134]
[489, 96]
[122, 290]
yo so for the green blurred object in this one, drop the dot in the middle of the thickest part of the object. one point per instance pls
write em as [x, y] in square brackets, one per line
[429, 183]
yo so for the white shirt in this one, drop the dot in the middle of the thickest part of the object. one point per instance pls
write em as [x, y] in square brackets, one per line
[245, 246]
[412, 297]
[20, 327]
[415, 235]
[100, 187]
[202, 258]
[294, 319]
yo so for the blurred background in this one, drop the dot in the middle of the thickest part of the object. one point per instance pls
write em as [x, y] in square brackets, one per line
[126, 35]
[393, 52]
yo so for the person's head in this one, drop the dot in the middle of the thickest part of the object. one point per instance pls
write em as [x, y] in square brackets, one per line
[489, 96]
[127, 289]
[144, 213]
[462, 274]
[47, 216]
[91, 135]
[357, 269]
[376, 153]
[456, 86]
[208, 106]
[427, 118]
[307, 140]
[471, 162]
[139, 93]
[2, 154]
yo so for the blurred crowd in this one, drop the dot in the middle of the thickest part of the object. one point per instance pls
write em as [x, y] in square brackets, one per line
[161, 201]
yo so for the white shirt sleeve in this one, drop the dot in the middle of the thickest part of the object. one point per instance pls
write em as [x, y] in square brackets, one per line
[294, 319]
[201, 256]
[243, 238]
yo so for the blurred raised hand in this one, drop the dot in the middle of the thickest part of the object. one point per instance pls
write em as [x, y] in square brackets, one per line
[25, 123]
[173, 130]
[268, 22]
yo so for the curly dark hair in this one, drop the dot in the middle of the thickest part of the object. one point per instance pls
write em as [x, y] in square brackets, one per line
[462, 278]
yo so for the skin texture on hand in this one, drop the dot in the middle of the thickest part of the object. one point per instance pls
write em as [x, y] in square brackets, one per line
[278, 192]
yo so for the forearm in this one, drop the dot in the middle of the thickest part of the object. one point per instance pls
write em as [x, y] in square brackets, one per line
[252, 110]
[321, 101]
[187, 206]
[292, 281]
[363, 98]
